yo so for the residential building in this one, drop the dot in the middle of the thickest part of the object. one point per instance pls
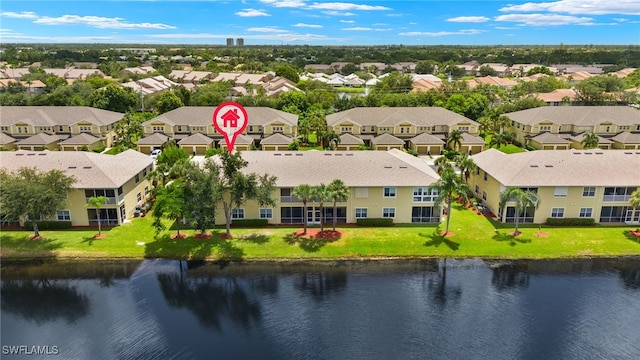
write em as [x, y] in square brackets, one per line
[61, 122]
[382, 184]
[565, 121]
[185, 121]
[121, 178]
[593, 184]
[404, 123]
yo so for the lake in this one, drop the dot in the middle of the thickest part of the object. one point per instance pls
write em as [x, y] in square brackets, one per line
[410, 309]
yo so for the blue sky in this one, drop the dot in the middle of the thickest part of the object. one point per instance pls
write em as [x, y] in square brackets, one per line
[299, 22]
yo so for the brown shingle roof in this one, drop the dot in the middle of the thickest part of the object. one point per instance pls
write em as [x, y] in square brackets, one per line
[203, 116]
[276, 139]
[57, 115]
[577, 115]
[390, 116]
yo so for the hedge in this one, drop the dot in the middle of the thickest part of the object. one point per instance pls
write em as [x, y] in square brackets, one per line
[375, 222]
[48, 225]
[571, 222]
[250, 222]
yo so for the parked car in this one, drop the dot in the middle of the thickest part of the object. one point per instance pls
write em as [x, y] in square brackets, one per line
[155, 153]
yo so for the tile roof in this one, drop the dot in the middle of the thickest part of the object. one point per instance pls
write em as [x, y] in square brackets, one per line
[196, 139]
[40, 139]
[577, 115]
[390, 116]
[203, 116]
[427, 139]
[242, 139]
[549, 138]
[276, 139]
[627, 138]
[91, 170]
[562, 167]
[57, 115]
[386, 139]
[469, 139]
[355, 168]
[6, 139]
[153, 139]
[350, 139]
[80, 139]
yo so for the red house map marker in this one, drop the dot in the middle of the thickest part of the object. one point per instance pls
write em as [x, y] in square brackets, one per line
[230, 119]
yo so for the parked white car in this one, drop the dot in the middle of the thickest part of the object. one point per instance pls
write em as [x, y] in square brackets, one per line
[155, 153]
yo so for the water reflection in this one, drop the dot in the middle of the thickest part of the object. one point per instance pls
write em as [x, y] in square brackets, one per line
[321, 285]
[508, 277]
[438, 288]
[44, 300]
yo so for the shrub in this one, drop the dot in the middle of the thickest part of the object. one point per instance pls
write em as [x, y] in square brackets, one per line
[48, 225]
[571, 222]
[250, 222]
[375, 222]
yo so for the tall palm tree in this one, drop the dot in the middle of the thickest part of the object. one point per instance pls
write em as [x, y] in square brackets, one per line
[634, 202]
[320, 194]
[466, 165]
[304, 192]
[339, 192]
[454, 140]
[522, 198]
[590, 141]
[448, 185]
[97, 202]
[442, 162]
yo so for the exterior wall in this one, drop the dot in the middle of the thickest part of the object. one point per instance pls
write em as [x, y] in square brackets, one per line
[619, 145]
[288, 130]
[374, 202]
[541, 146]
[21, 130]
[355, 128]
[196, 149]
[388, 147]
[275, 147]
[473, 149]
[492, 187]
[53, 146]
[90, 147]
[347, 147]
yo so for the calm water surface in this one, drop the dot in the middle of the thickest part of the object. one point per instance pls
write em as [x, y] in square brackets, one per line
[432, 309]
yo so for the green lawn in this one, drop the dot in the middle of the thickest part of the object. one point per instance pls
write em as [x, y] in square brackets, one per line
[473, 236]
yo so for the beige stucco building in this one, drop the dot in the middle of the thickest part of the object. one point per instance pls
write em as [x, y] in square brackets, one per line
[382, 184]
[571, 183]
[121, 178]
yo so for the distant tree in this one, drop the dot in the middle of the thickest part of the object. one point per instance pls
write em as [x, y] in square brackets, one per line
[171, 155]
[320, 194]
[338, 191]
[171, 202]
[97, 202]
[128, 130]
[466, 165]
[293, 99]
[114, 98]
[441, 163]
[523, 200]
[30, 193]
[167, 101]
[590, 141]
[202, 191]
[396, 83]
[540, 70]
[304, 192]
[425, 67]
[447, 186]
[634, 202]
[486, 70]
[288, 72]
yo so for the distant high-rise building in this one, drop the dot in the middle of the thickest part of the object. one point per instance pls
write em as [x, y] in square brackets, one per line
[229, 41]
[239, 42]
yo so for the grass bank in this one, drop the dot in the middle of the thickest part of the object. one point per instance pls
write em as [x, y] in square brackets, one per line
[473, 236]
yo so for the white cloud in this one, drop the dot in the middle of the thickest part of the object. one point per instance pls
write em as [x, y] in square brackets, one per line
[347, 21]
[251, 13]
[267, 29]
[582, 7]
[442, 33]
[359, 28]
[284, 3]
[338, 13]
[340, 6]
[469, 19]
[98, 22]
[20, 15]
[544, 19]
[313, 26]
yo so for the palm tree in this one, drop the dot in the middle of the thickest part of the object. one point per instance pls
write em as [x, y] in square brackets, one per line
[634, 201]
[448, 185]
[339, 192]
[442, 162]
[320, 193]
[97, 202]
[590, 141]
[304, 192]
[466, 165]
[454, 140]
[523, 199]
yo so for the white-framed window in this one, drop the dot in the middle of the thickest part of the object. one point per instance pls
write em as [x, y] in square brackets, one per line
[589, 191]
[389, 192]
[361, 213]
[139, 197]
[477, 189]
[557, 212]
[484, 195]
[346, 129]
[266, 213]
[463, 128]
[424, 194]
[237, 213]
[137, 178]
[486, 178]
[64, 215]
[157, 128]
[560, 191]
[277, 129]
[85, 129]
[388, 212]
[545, 128]
[586, 212]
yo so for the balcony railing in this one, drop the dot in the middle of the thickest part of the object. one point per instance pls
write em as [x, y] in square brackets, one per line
[110, 200]
[616, 198]
[289, 199]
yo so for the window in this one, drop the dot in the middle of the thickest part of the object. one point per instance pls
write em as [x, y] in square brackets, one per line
[557, 212]
[485, 176]
[85, 129]
[389, 192]
[276, 129]
[586, 212]
[545, 128]
[237, 213]
[424, 214]
[589, 191]
[560, 191]
[137, 178]
[424, 194]
[477, 189]
[266, 213]
[346, 129]
[484, 195]
[361, 213]
[157, 128]
[139, 197]
[388, 212]
[463, 128]
[64, 215]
